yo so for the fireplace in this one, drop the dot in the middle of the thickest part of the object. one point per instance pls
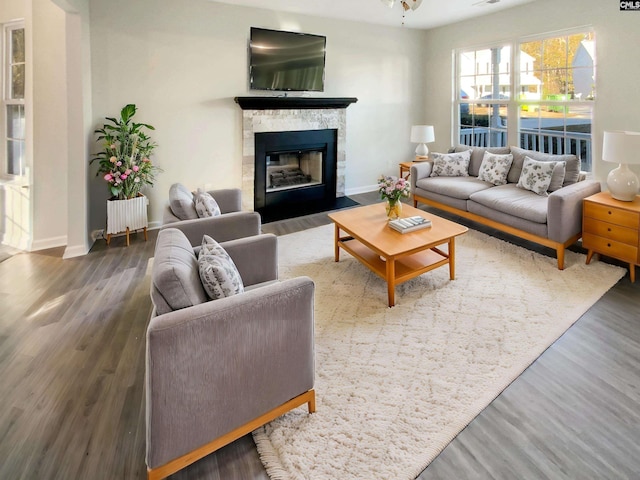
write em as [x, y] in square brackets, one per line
[294, 170]
[284, 114]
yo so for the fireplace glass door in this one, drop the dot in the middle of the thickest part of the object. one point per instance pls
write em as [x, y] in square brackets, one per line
[297, 169]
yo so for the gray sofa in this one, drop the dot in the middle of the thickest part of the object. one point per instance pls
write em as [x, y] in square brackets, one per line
[180, 212]
[553, 220]
[218, 369]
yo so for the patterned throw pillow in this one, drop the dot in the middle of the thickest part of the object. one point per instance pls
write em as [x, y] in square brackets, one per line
[536, 176]
[451, 164]
[206, 206]
[494, 168]
[219, 275]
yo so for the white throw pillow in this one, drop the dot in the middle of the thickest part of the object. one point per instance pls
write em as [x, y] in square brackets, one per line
[451, 164]
[494, 168]
[536, 176]
[218, 274]
[206, 206]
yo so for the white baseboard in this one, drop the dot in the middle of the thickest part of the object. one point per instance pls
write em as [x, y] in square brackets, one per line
[45, 243]
[75, 251]
[365, 189]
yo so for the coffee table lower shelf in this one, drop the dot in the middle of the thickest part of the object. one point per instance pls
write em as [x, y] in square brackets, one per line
[400, 269]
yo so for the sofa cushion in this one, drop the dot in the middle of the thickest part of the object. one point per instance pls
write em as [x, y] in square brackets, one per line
[572, 164]
[477, 154]
[219, 275]
[456, 187]
[181, 202]
[175, 281]
[514, 201]
[451, 164]
[536, 176]
[494, 168]
[205, 204]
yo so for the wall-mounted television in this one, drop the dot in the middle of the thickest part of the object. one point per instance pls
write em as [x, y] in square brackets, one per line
[286, 61]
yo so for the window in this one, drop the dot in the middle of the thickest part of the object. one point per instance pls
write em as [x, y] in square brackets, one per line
[552, 92]
[14, 60]
[485, 88]
[556, 115]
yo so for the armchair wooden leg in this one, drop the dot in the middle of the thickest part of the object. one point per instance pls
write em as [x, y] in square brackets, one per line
[169, 468]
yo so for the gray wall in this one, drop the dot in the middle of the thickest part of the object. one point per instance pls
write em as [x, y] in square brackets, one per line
[182, 63]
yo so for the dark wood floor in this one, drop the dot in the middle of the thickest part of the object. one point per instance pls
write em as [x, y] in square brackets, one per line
[72, 368]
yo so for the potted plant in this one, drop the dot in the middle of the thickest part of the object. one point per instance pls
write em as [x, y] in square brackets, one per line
[391, 189]
[125, 165]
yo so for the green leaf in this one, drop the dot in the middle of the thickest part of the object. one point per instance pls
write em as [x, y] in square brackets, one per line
[127, 112]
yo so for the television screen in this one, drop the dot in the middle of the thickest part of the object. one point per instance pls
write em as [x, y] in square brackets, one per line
[286, 61]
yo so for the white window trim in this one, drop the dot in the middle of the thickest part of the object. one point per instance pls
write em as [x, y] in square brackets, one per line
[6, 93]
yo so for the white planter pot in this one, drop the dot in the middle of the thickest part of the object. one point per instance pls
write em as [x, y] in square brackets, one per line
[127, 215]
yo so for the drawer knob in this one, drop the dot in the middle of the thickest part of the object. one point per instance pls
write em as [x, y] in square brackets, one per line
[608, 244]
[609, 212]
[608, 229]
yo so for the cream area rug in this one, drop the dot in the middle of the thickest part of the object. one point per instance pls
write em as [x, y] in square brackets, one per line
[395, 385]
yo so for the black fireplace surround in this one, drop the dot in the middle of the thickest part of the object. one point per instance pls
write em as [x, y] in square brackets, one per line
[281, 192]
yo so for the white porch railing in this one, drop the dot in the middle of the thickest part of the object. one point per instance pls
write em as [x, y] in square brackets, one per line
[546, 141]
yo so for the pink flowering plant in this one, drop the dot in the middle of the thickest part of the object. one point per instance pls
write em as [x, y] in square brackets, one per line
[392, 188]
[124, 160]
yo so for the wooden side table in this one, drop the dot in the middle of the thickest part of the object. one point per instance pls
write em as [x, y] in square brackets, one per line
[611, 227]
[405, 167]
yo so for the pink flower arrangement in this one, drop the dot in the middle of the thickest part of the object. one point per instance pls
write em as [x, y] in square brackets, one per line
[392, 188]
[124, 162]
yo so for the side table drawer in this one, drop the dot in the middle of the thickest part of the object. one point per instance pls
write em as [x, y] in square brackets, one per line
[612, 231]
[610, 248]
[612, 215]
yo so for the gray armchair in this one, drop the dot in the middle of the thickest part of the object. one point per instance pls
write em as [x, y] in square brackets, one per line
[233, 223]
[218, 369]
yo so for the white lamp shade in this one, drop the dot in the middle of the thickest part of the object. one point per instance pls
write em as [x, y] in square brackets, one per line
[623, 148]
[389, 3]
[422, 134]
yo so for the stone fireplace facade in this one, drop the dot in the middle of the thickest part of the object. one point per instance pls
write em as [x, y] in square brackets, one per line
[308, 115]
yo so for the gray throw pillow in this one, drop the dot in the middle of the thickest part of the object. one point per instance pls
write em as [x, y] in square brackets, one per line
[206, 206]
[557, 179]
[494, 168]
[181, 202]
[536, 176]
[219, 275]
[451, 164]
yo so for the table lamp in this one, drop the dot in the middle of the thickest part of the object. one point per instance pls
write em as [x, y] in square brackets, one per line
[422, 134]
[622, 148]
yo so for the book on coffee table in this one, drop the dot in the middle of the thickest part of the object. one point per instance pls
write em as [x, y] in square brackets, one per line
[409, 224]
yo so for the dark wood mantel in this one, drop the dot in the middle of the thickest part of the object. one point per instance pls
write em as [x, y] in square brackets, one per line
[288, 103]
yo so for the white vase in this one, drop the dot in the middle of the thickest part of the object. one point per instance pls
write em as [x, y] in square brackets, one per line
[127, 215]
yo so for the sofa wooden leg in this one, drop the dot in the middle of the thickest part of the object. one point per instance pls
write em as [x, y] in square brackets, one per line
[560, 254]
[169, 468]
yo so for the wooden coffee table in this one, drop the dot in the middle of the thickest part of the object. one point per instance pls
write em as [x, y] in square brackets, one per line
[394, 256]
